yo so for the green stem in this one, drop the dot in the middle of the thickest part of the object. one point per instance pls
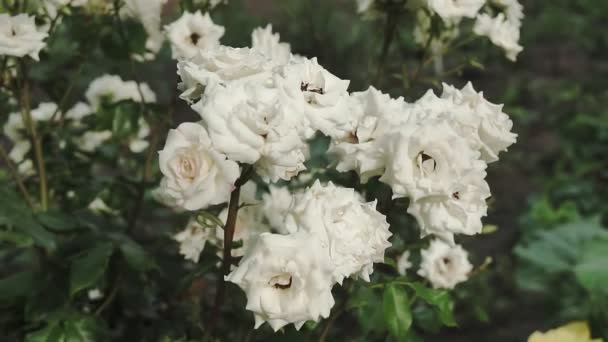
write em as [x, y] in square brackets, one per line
[390, 28]
[36, 140]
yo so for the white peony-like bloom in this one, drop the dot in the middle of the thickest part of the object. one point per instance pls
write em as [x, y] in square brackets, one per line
[275, 205]
[195, 174]
[428, 160]
[269, 44]
[502, 32]
[113, 89]
[287, 279]
[244, 123]
[314, 96]
[191, 33]
[377, 114]
[91, 140]
[19, 36]
[457, 213]
[452, 11]
[222, 65]
[192, 240]
[444, 266]
[492, 125]
[403, 262]
[354, 234]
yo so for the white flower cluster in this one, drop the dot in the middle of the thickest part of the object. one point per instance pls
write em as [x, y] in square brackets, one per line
[258, 106]
[499, 20]
[433, 151]
[20, 37]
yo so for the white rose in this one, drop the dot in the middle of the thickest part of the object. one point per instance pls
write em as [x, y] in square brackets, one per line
[269, 44]
[19, 36]
[287, 280]
[443, 265]
[429, 159]
[457, 213]
[275, 205]
[222, 64]
[513, 10]
[192, 32]
[195, 174]
[313, 95]
[492, 126]
[452, 11]
[243, 122]
[501, 31]
[192, 240]
[353, 232]
[376, 115]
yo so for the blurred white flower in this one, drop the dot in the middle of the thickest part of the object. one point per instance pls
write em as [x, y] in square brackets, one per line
[113, 89]
[248, 225]
[403, 262]
[191, 33]
[78, 112]
[139, 143]
[269, 44]
[452, 11]
[91, 140]
[95, 294]
[287, 279]
[443, 265]
[502, 32]
[148, 12]
[364, 5]
[353, 233]
[314, 96]
[99, 206]
[195, 174]
[20, 37]
[192, 240]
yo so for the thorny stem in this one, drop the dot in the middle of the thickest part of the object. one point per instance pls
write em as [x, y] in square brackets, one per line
[233, 208]
[389, 33]
[15, 175]
[36, 140]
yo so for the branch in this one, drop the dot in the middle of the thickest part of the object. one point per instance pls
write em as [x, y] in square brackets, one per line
[233, 208]
[31, 126]
[389, 34]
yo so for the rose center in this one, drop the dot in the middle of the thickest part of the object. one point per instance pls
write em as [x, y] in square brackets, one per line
[195, 37]
[187, 168]
[426, 163]
[281, 281]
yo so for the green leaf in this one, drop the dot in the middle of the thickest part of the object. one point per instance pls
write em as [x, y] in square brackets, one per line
[17, 285]
[397, 314]
[592, 270]
[439, 299]
[51, 333]
[16, 238]
[89, 267]
[81, 329]
[57, 221]
[136, 256]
